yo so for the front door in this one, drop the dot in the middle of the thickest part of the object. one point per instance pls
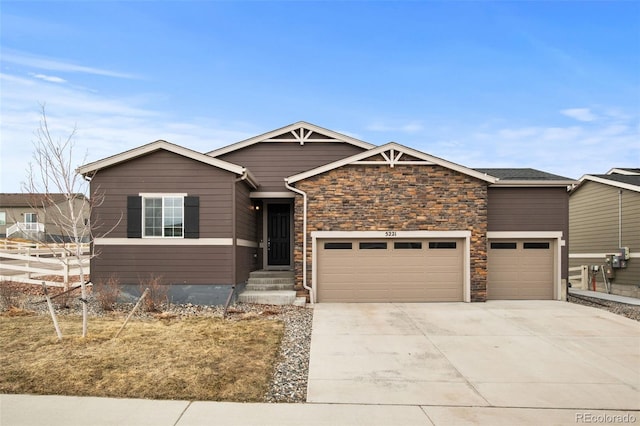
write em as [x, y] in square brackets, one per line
[279, 234]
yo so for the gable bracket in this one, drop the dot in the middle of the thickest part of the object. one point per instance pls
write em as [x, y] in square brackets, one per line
[392, 157]
[301, 135]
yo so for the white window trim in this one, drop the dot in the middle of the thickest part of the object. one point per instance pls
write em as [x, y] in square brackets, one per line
[3, 218]
[163, 195]
[393, 235]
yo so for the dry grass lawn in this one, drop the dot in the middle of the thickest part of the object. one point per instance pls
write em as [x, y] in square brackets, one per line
[187, 359]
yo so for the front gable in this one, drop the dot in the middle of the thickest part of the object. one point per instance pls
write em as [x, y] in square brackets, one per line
[392, 154]
[287, 151]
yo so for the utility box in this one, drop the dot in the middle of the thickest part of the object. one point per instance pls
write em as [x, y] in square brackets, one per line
[609, 272]
[617, 260]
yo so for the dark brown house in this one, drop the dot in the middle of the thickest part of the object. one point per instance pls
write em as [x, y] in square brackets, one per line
[353, 222]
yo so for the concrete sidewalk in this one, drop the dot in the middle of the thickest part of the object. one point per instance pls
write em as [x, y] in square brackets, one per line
[31, 410]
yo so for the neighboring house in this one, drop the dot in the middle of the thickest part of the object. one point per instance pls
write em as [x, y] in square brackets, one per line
[604, 216]
[355, 222]
[38, 217]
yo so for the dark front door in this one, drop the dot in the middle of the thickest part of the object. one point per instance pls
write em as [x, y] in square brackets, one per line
[279, 234]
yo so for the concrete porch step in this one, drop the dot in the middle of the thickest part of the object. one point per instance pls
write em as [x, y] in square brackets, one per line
[261, 280]
[271, 274]
[275, 297]
[269, 287]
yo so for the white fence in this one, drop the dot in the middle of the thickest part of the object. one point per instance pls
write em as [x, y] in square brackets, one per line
[34, 263]
[579, 280]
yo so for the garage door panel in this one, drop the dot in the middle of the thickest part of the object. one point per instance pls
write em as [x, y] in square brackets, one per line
[519, 272]
[405, 272]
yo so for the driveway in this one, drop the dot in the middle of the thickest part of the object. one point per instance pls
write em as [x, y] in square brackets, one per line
[534, 354]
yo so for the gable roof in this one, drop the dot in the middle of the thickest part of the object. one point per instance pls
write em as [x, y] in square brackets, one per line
[391, 154]
[300, 132]
[526, 177]
[140, 151]
[630, 182]
[624, 171]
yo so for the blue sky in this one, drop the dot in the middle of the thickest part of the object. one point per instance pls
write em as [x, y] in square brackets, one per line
[549, 85]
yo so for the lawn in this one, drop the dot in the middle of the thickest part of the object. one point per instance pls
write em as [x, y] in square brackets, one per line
[199, 358]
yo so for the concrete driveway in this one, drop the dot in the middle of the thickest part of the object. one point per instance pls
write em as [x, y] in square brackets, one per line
[521, 354]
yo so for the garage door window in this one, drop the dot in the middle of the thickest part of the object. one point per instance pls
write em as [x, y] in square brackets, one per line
[337, 246]
[536, 246]
[373, 246]
[504, 246]
[408, 245]
[442, 245]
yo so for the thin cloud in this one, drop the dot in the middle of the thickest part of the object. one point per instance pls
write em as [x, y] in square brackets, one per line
[49, 78]
[580, 114]
[49, 64]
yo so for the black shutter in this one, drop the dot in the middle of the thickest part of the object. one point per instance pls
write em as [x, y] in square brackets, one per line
[192, 217]
[134, 216]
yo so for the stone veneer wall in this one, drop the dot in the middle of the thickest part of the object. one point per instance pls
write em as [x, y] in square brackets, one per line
[402, 198]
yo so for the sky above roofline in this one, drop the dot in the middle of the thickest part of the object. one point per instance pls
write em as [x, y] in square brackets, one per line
[552, 86]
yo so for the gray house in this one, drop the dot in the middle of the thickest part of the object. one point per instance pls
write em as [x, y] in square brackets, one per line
[604, 224]
[348, 220]
[40, 218]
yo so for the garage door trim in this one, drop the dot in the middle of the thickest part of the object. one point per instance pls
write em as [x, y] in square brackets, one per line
[556, 236]
[393, 235]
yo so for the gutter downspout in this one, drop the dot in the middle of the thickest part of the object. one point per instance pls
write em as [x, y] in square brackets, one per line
[304, 239]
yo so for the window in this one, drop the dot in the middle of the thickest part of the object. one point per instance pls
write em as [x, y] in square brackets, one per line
[163, 217]
[543, 246]
[503, 246]
[407, 245]
[337, 246]
[3, 218]
[30, 217]
[442, 245]
[373, 246]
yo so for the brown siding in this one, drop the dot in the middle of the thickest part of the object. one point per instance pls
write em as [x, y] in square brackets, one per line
[245, 214]
[246, 222]
[593, 218]
[174, 264]
[403, 198]
[531, 209]
[163, 171]
[271, 162]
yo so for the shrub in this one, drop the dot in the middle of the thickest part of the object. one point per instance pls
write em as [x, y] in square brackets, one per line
[9, 296]
[158, 293]
[107, 292]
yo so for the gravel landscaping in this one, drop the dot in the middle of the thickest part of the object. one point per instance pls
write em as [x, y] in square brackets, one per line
[623, 309]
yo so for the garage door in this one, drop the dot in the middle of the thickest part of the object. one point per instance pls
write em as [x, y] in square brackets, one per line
[403, 270]
[520, 269]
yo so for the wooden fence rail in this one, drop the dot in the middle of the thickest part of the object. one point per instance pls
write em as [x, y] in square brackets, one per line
[30, 263]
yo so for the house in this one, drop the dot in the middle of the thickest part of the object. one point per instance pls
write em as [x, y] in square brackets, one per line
[353, 221]
[604, 223]
[40, 217]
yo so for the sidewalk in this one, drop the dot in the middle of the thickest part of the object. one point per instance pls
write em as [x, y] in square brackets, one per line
[27, 410]
[605, 296]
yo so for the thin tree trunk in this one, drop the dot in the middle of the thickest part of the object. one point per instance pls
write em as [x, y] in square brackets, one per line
[52, 311]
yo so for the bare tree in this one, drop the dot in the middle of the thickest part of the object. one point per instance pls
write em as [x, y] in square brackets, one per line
[60, 192]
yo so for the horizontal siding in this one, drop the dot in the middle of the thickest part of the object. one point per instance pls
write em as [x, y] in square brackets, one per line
[271, 162]
[166, 172]
[246, 261]
[176, 265]
[593, 213]
[528, 209]
[245, 214]
[629, 276]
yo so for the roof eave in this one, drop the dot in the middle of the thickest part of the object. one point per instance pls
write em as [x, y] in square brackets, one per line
[91, 168]
[533, 183]
[257, 139]
[616, 184]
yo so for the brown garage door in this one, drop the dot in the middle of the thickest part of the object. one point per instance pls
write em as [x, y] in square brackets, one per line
[363, 270]
[520, 269]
